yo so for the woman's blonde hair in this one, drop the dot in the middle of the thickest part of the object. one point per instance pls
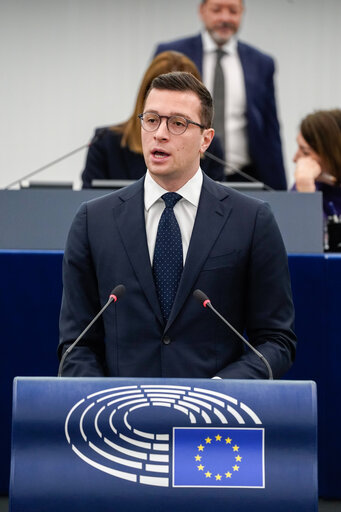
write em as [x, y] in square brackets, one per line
[165, 62]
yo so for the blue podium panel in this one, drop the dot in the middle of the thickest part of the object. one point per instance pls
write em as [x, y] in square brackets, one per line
[163, 445]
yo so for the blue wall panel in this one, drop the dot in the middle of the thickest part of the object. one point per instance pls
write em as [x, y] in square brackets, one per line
[30, 295]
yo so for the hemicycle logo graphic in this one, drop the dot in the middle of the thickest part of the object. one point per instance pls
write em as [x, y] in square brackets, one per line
[165, 435]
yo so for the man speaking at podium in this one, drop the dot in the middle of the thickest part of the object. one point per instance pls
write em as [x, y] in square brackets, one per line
[170, 233]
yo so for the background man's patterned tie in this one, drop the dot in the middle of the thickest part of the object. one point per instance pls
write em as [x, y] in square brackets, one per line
[168, 262]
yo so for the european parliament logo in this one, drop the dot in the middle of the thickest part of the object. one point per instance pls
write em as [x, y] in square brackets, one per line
[169, 435]
[218, 457]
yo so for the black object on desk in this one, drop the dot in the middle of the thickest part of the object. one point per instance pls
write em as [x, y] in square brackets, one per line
[334, 236]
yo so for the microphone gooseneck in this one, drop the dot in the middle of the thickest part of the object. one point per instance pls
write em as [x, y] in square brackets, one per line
[235, 170]
[115, 294]
[54, 162]
[205, 301]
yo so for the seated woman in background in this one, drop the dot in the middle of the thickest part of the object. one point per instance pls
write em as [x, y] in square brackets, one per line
[318, 158]
[116, 152]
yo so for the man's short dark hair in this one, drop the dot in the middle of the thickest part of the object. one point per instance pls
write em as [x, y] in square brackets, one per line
[183, 81]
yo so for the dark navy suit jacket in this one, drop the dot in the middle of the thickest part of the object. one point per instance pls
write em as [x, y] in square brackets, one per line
[236, 256]
[263, 127]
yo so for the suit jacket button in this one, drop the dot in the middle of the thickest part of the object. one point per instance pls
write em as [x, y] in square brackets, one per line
[166, 340]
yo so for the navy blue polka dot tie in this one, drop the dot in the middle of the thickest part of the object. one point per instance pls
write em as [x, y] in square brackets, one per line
[167, 263]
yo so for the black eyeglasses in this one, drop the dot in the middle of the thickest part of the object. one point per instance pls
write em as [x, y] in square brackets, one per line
[176, 125]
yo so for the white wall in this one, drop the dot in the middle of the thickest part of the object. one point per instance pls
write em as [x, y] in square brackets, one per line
[68, 66]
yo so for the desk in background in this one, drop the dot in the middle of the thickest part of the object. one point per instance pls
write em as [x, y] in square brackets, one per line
[40, 218]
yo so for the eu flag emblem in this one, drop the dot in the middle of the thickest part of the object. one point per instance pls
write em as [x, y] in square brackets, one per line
[218, 457]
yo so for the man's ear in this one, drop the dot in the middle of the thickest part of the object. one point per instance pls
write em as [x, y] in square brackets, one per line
[207, 137]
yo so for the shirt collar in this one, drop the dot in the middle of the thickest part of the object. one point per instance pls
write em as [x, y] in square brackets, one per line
[209, 46]
[190, 191]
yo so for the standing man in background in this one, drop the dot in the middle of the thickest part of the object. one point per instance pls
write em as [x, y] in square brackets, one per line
[241, 80]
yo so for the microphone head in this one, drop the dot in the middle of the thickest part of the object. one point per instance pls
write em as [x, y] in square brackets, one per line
[201, 297]
[118, 292]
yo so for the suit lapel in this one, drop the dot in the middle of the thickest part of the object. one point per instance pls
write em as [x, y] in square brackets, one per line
[248, 71]
[213, 212]
[212, 215]
[129, 217]
[198, 53]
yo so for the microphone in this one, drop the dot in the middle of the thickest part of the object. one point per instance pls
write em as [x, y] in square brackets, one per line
[60, 159]
[234, 169]
[205, 301]
[116, 294]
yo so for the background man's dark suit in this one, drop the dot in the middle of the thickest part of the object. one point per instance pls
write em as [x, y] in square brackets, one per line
[263, 127]
[236, 255]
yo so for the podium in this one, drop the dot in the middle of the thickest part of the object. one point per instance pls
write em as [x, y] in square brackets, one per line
[163, 445]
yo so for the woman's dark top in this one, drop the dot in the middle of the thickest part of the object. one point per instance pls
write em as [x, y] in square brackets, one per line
[108, 160]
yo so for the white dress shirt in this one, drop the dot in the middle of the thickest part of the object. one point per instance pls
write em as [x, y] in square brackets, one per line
[236, 143]
[185, 209]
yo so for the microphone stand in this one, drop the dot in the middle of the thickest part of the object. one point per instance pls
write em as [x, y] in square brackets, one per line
[234, 169]
[50, 164]
[60, 159]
